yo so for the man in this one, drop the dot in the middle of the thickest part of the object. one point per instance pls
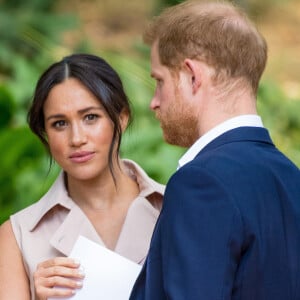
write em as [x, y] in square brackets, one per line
[230, 223]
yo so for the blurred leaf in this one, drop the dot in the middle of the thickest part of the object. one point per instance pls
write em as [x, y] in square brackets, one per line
[7, 107]
[18, 146]
[280, 116]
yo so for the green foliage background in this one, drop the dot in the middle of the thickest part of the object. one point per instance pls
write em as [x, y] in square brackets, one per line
[30, 35]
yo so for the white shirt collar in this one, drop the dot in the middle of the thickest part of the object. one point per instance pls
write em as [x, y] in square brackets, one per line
[240, 121]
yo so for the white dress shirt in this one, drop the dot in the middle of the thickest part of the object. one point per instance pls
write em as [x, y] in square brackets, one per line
[240, 121]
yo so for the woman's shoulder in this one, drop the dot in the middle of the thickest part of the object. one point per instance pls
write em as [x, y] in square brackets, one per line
[23, 220]
[7, 237]
[6, 231]
[27, 213]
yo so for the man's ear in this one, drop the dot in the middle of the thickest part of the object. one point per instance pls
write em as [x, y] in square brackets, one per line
[124, 118]
[194, 70]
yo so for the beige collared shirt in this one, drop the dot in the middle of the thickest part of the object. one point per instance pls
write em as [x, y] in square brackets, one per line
[50, 227]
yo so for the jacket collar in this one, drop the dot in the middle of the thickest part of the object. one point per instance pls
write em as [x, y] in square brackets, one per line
[255, 134]
[215, 132]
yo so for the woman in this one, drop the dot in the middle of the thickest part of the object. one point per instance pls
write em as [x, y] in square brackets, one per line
[79, 112]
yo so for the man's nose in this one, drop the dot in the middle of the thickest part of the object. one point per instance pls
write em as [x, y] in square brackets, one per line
[154, 104]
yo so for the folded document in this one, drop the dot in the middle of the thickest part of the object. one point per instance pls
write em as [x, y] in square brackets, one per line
[108, 276]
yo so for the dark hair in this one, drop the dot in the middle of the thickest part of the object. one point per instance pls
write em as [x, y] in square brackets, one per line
[95, 74]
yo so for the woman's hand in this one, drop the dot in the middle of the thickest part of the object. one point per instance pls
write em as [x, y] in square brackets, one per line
[57, 277]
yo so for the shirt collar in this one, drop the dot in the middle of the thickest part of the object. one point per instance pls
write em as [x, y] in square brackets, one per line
[146, 184]
[58, 194]
[240, 121]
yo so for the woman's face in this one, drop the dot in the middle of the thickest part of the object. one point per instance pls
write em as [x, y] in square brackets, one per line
[78, 129]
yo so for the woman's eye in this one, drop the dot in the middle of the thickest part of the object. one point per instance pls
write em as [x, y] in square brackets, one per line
[91, 117]
[59, 124]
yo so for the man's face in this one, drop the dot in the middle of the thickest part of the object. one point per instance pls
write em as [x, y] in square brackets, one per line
[172, 108]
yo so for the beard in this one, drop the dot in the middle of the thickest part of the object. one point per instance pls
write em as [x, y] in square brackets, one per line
[179, 123]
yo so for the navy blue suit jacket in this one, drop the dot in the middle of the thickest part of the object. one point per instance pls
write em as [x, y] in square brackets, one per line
[229, 227]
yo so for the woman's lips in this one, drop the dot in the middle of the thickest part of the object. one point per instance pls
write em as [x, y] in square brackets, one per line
[81, 157]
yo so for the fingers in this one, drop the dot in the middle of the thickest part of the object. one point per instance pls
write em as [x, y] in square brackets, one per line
[59, 261]
[59, 270]
[58, 277]
[43, 293]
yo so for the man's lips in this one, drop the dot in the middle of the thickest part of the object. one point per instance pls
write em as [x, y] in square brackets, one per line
[82, 156]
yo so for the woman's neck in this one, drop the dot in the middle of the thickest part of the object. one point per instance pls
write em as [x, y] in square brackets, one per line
[106, 202]
[103, 192]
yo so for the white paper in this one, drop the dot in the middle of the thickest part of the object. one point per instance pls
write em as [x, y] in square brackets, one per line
[108, 276]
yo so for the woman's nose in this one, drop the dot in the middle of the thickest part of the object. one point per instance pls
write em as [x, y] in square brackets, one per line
[78, 135]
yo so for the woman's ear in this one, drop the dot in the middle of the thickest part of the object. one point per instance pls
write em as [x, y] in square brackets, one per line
[194, 70]
[124, 118]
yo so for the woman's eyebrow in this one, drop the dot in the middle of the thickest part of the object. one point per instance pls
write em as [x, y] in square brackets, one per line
[84, 110]
[81, 111]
